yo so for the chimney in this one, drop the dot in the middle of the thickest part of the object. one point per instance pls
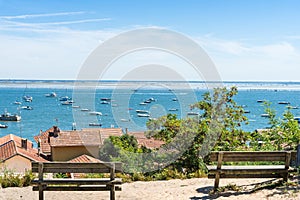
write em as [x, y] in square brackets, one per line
[24, 143]
[55, 131]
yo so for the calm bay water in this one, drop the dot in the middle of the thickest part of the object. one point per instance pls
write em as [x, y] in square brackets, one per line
[121, 111]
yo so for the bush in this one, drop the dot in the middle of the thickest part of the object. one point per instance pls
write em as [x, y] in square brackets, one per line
[10, 179]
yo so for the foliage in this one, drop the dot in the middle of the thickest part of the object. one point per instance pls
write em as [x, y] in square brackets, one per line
[11, 179]
[284, 132]
[218, 128]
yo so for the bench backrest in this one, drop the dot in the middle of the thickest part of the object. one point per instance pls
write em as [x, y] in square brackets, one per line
[66, 167]
[252, 156]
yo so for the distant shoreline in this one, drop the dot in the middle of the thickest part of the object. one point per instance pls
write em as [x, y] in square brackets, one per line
[135, 84]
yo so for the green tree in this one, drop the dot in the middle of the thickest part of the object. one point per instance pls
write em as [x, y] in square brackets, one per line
[218, 128]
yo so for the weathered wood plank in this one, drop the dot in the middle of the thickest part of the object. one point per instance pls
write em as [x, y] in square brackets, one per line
[239, 156]
[63, 167]
[73, 188]
[67, 181]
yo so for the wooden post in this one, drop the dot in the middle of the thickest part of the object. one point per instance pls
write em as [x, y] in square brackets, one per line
[217, 178]
[287, 165]
[112, 186]
[298, 156]
[41, 192]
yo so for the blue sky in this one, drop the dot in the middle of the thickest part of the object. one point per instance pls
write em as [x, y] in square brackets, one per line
[247, 40]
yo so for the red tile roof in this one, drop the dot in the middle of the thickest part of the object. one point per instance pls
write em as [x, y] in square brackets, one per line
[10, 145]
[86, 137]
[85, 159]
[142, 140]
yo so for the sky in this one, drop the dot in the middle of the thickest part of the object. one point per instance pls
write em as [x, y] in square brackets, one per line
[249, 40]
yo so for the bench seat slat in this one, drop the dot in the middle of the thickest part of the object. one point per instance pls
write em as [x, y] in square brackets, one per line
[73, 188]
[239, 156]
[212, 176]
[92, 181]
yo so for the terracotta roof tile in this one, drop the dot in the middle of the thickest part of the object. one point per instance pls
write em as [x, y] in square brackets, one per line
[85, 159]
[146, 142]
[7, 150]
[10, 145]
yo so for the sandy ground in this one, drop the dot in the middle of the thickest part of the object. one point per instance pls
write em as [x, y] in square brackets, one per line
[193, 189]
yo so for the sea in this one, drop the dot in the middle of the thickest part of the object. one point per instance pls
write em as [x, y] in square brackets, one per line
[129, 104]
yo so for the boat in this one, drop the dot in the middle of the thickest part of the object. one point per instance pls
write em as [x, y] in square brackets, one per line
[75, 106]
[283, 102]
[260, 101]
[9, 117]
[105, 102]
[173, 109]
[143, 103]
[85, 109]
[52, 94]
[174, 99]
[95, 113]
[292, 107]
[17, 102]
[3, 126]
[265, 115]
[192, 113]
[26, 108]
[95, 124]
[105, 99]
[27, 98]
[67, 103]
[143, 115]
[142, 111]
[64, 98]
[246, 111]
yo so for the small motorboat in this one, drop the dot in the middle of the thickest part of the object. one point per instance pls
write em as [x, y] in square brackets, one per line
[143, 115]
[95, 124]
[26, 108]
[3, 126]
[52, 94]
[95, 113]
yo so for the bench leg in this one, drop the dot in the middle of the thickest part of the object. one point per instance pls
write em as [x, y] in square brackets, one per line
[285, 177]
[112, 192]
[41, 192]
[217, 180]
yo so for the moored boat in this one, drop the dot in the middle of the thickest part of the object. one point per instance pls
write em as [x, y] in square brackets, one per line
[3, 126]
[9, 117]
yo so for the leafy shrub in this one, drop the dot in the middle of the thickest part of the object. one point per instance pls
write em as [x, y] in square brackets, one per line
[10, 179]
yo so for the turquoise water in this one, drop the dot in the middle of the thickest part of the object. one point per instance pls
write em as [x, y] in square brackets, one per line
[121, 111]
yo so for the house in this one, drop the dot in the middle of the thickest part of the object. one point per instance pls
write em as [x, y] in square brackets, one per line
[17, 153]
[60, 145]
[149, 143]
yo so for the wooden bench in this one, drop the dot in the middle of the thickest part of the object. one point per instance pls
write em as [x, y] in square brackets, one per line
[42, 184]
[280, 170]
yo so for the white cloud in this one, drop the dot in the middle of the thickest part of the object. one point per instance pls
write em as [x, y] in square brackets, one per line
[41, 15]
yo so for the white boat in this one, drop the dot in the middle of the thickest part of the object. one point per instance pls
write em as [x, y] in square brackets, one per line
[67, 103]
[265, 115]
[26, 108]
[143, 115]
[85, 109]
[17, 102]
[95, 124]
[3, 126]
[192, 113]
[52, 94]
[9, 117]
[27, 98]
[143, 103]
[142, 111]
[105, 102]
[173, 109]
[75, 106]
[174, 99]
[95, 113]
